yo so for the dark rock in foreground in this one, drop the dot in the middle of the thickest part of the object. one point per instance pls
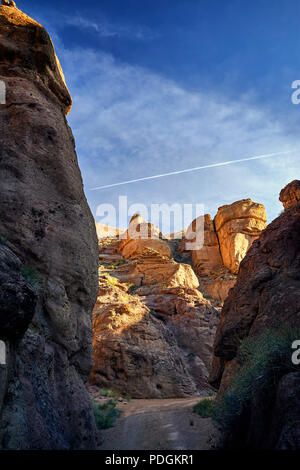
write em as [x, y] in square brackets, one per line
[47, 222]
[266, 296]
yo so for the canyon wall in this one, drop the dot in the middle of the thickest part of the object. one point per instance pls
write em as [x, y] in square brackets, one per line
[266, 296]
[48, 251]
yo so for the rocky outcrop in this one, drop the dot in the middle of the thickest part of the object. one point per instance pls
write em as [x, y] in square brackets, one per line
[135, 353]
[215, 280]
[217, 247]
[142, 235]
[207, 259]
[105, 231]
[237, 226]
[151, 256]
[150, 268]
[136, 248]
[266, 295]
[47, 223]
[290, 194]
[153, 330]
[37, 63]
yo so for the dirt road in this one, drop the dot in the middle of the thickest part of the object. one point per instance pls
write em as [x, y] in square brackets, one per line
[159, 425]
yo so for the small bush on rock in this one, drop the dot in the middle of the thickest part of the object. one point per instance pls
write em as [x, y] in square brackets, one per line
[106, 414]
[204, 408]
[263, 361]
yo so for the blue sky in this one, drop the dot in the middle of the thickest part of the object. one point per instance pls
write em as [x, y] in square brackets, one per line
[164, 85]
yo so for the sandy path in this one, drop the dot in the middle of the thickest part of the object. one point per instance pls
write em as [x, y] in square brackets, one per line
[159, 425]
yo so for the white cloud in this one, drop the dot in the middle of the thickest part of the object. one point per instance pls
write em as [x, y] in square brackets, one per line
[103, 28]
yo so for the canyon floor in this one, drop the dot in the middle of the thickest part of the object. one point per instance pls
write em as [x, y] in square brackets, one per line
[157, 424]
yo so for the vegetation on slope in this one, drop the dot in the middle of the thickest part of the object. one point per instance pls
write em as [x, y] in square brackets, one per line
[263, 361]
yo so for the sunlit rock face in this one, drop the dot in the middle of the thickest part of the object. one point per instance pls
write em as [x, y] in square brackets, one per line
[142, 235]
[135, 352]
[47, 223]
[151, 255]
[27, 51]
[135, 248]
[218, 246]
[136, 219]
[153, 329]
[290, 195]
[237, 226]
[207, 259]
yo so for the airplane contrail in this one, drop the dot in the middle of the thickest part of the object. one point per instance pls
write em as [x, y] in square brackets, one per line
[213, 165]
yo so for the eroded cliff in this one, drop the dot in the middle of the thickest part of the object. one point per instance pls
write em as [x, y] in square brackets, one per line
[265, 301]
[47, 228]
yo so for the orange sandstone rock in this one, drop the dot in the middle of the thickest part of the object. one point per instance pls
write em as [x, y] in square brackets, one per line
[290, 195]
[237, 226]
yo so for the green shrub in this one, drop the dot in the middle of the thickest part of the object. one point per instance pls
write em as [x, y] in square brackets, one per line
[32, 277]
[204, 408]
[263, 360]
[3, 240]
[33, 328]
[106, 414]
[112, 281]
[113, 266]
[108, 392]
[121, 262]
[132, 288]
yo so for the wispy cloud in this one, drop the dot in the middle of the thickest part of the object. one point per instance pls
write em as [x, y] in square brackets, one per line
[105, 29]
